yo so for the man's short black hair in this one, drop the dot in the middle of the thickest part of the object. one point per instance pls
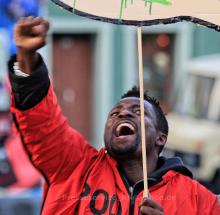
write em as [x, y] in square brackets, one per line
[162, 124]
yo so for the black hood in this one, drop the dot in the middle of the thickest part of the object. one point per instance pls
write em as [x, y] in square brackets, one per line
[166, 164]
[163, 166]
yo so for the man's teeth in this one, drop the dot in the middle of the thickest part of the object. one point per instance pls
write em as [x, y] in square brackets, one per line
[125, 129]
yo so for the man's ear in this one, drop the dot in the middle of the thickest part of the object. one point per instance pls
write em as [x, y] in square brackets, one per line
[161, 139]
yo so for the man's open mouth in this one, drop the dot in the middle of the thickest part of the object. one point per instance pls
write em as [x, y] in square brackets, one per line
[124, 129]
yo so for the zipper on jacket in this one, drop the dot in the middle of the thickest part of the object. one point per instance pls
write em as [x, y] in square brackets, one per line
[133, 191]
[132, 200]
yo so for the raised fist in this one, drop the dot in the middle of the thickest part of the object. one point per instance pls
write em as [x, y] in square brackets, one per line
[30, 33]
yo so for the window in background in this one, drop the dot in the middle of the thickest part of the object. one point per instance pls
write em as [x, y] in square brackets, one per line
[158, 52]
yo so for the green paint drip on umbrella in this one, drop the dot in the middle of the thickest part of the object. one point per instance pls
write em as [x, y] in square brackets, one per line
[150, 8]
[121, 8]
[163, 2]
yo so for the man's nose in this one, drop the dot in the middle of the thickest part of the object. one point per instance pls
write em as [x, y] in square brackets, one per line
[125, 113]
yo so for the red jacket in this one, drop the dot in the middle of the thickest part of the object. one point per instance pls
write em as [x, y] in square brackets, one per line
[81, 180]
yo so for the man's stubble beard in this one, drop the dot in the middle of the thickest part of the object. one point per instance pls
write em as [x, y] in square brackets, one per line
[129, 150]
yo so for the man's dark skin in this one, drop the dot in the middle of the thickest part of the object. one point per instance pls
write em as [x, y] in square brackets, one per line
[127, 149]
[30, 35]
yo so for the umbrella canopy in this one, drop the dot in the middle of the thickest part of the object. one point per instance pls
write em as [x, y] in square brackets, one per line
[147, 12]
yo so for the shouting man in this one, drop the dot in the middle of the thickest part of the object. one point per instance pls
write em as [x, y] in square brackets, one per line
[78, 178]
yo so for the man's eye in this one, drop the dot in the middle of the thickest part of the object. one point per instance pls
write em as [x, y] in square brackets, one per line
[138, 111]
[114, 114]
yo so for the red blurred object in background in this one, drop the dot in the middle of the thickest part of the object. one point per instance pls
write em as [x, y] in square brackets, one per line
[16, 171]
[163, 40]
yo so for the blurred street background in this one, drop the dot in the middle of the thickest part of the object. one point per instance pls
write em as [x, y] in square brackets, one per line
[91, 65]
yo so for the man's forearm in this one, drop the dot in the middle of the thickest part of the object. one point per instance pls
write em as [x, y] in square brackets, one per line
[27, 61]
[29, 91]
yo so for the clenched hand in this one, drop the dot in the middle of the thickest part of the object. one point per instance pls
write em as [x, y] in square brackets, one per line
[150, 207]
[30, 35]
